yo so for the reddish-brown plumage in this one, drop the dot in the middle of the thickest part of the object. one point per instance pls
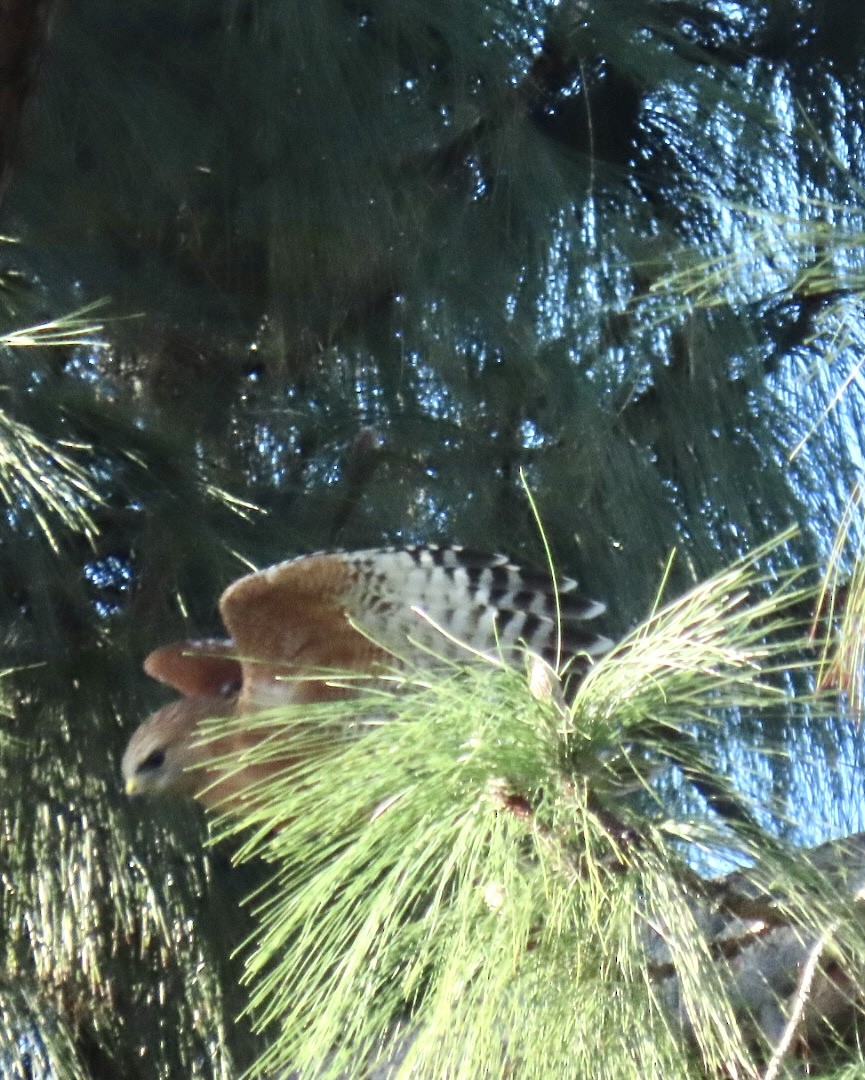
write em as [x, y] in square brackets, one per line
[295, 626]
[290, 624]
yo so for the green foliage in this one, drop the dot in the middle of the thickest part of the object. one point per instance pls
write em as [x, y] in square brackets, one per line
[452, 225]
[470, 876]
[68, 330]
[50, 480]
[45, 480]
[110, 964]
[843, 603]
[113, 963]
[385, 260]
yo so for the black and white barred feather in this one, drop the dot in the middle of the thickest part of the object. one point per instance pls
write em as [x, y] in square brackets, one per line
[447, 600]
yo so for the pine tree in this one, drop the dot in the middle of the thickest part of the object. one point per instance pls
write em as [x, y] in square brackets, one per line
[369, 273]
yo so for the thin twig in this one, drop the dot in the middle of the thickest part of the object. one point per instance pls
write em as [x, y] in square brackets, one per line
[803, 992]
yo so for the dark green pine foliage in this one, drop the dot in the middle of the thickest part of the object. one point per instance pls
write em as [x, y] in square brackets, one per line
[369, 272]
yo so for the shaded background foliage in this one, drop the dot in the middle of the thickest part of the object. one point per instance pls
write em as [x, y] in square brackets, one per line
[367, 264]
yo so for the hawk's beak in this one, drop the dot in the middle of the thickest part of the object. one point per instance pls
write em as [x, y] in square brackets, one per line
[131, 786]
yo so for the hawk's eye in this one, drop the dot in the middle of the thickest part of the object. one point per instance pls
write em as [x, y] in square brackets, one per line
[153, 761]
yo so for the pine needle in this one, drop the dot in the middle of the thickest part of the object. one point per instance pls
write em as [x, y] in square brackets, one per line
[469, 880]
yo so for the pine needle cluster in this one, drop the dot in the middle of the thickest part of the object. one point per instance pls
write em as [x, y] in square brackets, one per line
[480, 872]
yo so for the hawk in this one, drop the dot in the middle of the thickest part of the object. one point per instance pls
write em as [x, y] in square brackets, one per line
[292, 624]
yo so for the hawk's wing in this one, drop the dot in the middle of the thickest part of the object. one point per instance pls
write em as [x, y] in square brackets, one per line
[203, 668]
[350, 611]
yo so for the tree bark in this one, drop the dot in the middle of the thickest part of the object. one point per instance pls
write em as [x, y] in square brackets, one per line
[25, 27]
